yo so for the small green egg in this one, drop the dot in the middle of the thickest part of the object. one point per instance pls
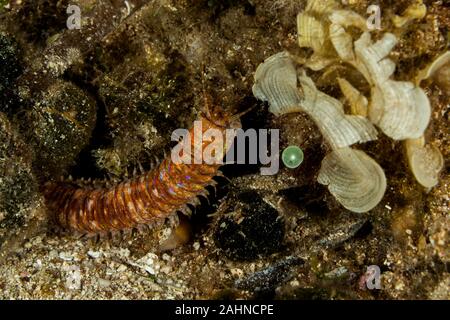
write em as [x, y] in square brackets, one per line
[292, 157]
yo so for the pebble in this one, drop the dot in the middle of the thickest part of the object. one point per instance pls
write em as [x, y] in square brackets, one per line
[65, 256]
[38, 264]
[73, 279]
[103, 283]
[270, 277]
[336, 273]
[121, 268]
[150, 270]
[94, 254]
[237, 272]
[53, 254]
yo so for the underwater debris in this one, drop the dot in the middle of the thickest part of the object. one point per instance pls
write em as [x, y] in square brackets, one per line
[339, 130]
[342, 232]
[276, 83]
[357, 101]
[401, 109]
[346, 18]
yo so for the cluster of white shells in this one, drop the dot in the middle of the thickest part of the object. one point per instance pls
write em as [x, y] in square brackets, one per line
[401, 110]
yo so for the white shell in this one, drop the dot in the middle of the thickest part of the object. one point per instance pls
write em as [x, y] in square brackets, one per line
[276, 82]
[343, 42]
[371, 58]
[405, 110]
[311, 32]
[425, 161]
[313, 28]
[353, 178]
[347, 18]
[318, 62]
[400, 109]
[321, 7]
[340, 130]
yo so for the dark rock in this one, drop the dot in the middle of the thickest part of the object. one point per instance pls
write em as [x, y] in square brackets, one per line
[343, 232]
[58, 127]
[10, 66]
[18, 187]
[268, 279]
[253, 229]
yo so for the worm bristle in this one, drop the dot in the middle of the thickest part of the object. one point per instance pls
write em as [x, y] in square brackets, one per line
[107, 208]
[205, 195]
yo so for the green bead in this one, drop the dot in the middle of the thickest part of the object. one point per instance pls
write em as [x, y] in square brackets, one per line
[292, 157]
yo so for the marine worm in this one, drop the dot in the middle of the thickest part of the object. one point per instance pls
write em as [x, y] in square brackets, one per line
[142, 200]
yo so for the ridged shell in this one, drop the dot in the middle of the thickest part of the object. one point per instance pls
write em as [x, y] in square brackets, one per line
[425, 161]
[371, 58]
[347, 18]
[339, 129]
[415, 11]
[342, 41]
[313, 32]
[276, 82]
[405, 112]
[353, 178]
[400, 109]
[321, 7]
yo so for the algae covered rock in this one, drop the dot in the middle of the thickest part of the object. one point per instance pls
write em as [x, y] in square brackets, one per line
[11, 68]
[59, 126]
[18, 188]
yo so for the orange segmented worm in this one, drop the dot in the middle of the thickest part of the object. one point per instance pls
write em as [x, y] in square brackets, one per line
[142, 200]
